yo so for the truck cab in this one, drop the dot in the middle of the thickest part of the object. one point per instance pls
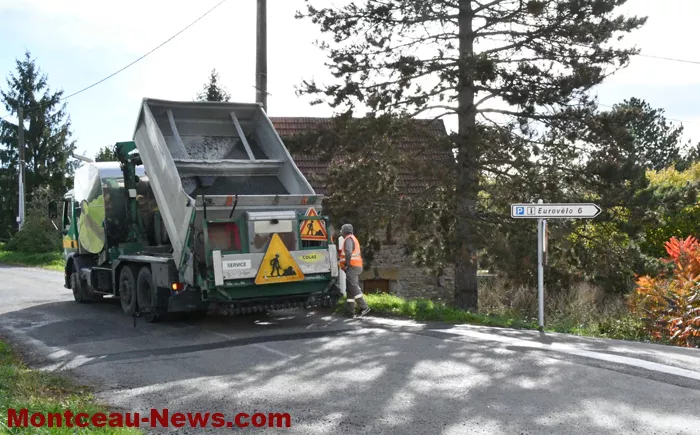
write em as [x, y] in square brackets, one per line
[69, 229]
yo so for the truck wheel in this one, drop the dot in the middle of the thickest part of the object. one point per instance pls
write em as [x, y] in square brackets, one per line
[127, 290]
[144, 291]
[78, 286]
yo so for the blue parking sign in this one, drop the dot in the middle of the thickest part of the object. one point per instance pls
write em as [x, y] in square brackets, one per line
[519, 211]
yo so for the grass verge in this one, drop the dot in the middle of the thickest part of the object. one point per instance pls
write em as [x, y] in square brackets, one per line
[42, 392]
[619, 327]
[48, 260]
[425, 310]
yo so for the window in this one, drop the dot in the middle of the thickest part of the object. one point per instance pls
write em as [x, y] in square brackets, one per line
[67, 213]
[224, 236]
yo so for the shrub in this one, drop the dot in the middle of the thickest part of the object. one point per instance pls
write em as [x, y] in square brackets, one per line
[38, 235]
[623, 327]
[673, 197]
[669, 305]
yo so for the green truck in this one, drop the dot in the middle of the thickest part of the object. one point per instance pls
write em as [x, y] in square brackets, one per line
[205, 206]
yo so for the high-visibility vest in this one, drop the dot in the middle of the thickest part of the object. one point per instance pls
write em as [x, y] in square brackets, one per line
[355, 256]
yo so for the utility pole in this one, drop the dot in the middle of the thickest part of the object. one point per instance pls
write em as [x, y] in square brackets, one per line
[20, 125]
[261, 55]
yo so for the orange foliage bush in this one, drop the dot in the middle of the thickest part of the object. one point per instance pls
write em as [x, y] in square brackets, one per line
[669, 306]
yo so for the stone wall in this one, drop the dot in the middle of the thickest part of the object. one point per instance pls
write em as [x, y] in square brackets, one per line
[405, 279]
[393, 270]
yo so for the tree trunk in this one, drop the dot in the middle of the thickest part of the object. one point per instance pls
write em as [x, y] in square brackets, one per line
[466, 289]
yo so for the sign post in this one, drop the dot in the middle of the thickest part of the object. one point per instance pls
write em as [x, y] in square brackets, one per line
[545, 240]
[542, 212]
[540, 271]
[341, 272]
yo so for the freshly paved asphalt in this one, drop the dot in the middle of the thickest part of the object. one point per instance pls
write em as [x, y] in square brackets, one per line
[371, 376]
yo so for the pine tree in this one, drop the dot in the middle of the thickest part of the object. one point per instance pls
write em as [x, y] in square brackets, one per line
[106, 154]
[47, 136]
[654, 142]
[538, 57]
[212, 91]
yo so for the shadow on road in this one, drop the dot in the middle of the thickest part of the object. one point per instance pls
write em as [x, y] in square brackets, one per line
[334, 375]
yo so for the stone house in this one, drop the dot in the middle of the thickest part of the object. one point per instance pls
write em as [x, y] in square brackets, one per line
[391, 270]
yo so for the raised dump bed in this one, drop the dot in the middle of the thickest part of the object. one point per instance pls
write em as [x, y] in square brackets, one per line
[205, 205]
[198, 153]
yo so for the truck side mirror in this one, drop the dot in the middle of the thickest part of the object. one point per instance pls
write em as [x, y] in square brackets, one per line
[53, 210]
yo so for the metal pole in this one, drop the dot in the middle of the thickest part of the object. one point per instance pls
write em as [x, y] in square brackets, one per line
[540, 270]
[261, 55]
[20, 145]
[341, 272]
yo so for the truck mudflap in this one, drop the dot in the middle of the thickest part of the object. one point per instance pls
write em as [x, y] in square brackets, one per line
[186, 301]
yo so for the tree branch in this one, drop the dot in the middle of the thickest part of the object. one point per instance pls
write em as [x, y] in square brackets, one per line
[484, 6]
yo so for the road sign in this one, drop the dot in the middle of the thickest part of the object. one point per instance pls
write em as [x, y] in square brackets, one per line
[313, 229]
[278, 265]
[553, 211]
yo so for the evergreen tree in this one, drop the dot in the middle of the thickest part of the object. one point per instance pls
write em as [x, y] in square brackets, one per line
[538, 57]
[47, 137]
[689, 157]
[212, 91]
[652, 141]
[106, 154]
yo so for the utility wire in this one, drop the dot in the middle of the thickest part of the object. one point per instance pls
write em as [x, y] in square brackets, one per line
[129, 65]
[696, 62]
[223, 1]
[668, 119]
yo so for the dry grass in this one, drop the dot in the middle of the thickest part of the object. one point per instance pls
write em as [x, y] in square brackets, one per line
[584, 309]
[583, 303]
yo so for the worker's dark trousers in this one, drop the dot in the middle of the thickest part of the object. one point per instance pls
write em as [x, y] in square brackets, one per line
[352, 287]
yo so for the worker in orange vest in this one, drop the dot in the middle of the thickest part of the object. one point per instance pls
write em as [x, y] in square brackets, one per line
[353, 269]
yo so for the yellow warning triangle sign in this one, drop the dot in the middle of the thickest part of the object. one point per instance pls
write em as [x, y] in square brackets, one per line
[313, 229]
[278, 265]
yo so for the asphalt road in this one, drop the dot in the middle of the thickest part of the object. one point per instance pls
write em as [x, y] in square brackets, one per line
[371, 376]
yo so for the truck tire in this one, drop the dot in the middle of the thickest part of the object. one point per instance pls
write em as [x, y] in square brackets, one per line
[80, 288]
[144, 291]
[127, 290]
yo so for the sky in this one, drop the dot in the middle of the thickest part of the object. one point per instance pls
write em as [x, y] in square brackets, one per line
[79, 42]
